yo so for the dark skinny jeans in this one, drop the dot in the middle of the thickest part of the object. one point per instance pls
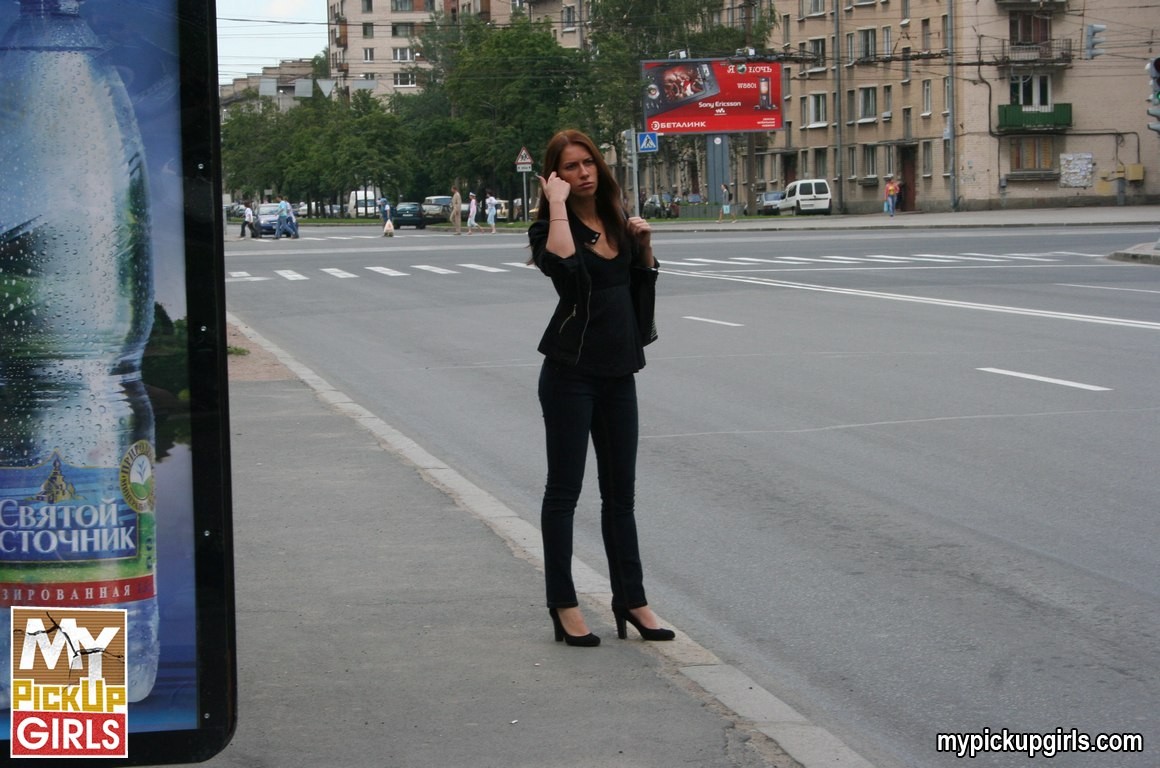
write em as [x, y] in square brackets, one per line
[576, 405]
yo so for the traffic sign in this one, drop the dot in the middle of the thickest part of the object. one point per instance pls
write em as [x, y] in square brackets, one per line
[523, 161]
[646, 142]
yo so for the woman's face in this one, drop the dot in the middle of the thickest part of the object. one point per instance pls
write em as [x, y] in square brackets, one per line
[578, 168]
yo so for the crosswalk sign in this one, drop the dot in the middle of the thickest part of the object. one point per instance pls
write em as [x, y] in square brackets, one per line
[646, 142]
[523, 161]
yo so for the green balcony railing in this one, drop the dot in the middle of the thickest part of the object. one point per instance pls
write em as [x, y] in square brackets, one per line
[1018, 117]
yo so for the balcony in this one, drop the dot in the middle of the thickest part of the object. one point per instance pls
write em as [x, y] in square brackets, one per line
[1048, 53]
[1017, 118]
[1048, 6]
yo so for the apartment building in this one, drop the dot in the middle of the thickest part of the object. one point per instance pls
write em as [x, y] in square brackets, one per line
[973, 105]
[968, 105]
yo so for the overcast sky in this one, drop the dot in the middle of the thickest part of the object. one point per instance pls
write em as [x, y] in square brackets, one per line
[269, 31]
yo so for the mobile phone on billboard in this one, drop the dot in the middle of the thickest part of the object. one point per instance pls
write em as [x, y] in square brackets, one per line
[673, 84]
[116, 562]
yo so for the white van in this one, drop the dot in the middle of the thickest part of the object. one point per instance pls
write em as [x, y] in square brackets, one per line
[807, 196]
[364, 203]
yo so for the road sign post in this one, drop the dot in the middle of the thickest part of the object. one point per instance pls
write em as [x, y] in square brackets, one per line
[524, 166]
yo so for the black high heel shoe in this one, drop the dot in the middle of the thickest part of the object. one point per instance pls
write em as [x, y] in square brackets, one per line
[624, 615]
[583, 641]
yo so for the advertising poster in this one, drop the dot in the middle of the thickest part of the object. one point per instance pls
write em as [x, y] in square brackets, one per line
[711, 96]
[116, 594]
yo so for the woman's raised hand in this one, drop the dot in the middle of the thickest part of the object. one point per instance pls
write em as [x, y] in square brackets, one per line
[555, 188]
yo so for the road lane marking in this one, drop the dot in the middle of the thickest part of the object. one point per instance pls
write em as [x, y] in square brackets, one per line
[483, 268]
[337, 272]
[715, 322]
[436, 270]
[773, 283]
[523, 264]
[1045, 379]
[290, 274]
[1106, 288]
[388, 271]
[244, 277]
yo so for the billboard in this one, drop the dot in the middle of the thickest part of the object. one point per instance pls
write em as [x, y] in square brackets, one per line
[711, 96]
[116, 570]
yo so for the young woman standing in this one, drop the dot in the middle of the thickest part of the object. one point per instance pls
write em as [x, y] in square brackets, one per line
[602, 267]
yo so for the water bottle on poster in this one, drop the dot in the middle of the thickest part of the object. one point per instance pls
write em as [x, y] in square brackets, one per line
[77, 517]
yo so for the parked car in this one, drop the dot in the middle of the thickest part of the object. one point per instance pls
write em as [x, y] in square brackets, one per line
[807, 196]
[409, 215]
[267, 218]
[437, 208]
[769, 203]
[660, 207]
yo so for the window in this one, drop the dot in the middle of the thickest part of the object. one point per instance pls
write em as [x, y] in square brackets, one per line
[817, 49]
[369, 75]
[568, 17]
[1031, 90]
[889, 156]
[786, 82]
[817, 113]
[368, 30]
[402, 5]
[405, 80]
[368, 54]
[815, 7]
[402, 54]
[852, 162]
[850, 48]
[927, 159]
[906, 65]
[887, 42]
[851, 107]
[905, 9]
[926, 98]
[869, 160]
[868, 104]
[368, 6]
[944, 33]
[1033, 153]
[925, 34]
[820, 162]
[403, 30]
[1029, 28]
[785, 41]
[946, 95]
[867, 44]
[948, 163]
[887, 101]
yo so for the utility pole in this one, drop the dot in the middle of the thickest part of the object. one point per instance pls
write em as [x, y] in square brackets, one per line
[839, 123]
[750, 137]
[951, 105]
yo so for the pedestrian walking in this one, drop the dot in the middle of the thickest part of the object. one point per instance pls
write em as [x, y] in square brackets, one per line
[456, 205]
[248, 221]
[472, 212]
[490, 202]
[891, 201]
[726, 204]
[601, 264]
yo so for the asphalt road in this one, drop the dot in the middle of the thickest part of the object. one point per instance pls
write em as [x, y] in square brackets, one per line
[904, 480]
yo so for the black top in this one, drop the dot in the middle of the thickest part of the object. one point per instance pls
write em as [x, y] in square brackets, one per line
[612, 346]
[600, 321]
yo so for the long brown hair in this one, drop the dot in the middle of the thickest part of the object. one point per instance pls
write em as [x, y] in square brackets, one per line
[609, 207]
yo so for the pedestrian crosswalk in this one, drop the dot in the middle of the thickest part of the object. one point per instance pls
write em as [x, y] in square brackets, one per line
[739, 263]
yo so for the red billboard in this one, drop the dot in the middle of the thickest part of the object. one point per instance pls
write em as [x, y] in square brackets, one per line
[711, 96]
